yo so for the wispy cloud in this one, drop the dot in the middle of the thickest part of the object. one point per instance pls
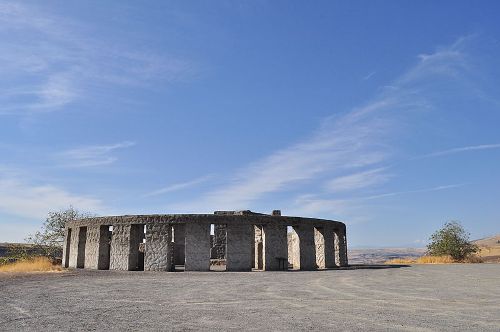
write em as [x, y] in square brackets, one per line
[23, 199]
[358, 180]
[314, 204]
[370, 75]
[50, 61]
[461, 149]
[425, 190]
[94, 155]
[179, 186]
[363, 137]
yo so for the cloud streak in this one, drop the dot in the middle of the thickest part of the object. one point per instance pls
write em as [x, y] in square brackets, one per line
[364, 137]
[34, 201]
[95, 155]
[50, 62]
[179, 186]
[461, 149]
[358, 180]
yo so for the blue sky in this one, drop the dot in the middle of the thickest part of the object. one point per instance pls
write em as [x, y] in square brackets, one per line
[382, 114]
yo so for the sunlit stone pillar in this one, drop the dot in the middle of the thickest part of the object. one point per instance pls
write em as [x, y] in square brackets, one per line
[239, 239]
[306, 247]
[275, 247]
[197, 249]
[159, 249]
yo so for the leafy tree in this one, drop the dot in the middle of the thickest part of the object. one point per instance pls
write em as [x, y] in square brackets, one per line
[49, 240]
[452, 240]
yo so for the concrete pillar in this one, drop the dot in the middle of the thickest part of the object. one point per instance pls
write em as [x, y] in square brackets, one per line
[294, 249]
[239, 239]
[319, 242]
[340, 248]
[66, 247]
[306, 247]
[275, 247]
[92, 247]
[325, 251]
[120, 248]
[82, 242]
[73, 246]
[197, 249]
[179, 238]
[258, 248]
[159, 249]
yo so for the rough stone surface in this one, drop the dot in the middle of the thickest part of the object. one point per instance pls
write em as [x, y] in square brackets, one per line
[239, 247]
[73, 247]
[159, 248]
[319, 242]
[92, 247]
[66, 247]
[120, 247]
[306, 247]
[197, 249]
[275, 247]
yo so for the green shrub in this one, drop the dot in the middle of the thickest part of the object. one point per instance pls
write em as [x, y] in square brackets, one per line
[452, 240]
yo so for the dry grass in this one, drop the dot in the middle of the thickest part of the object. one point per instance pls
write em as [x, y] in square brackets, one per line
[38, 264]
[432, 260]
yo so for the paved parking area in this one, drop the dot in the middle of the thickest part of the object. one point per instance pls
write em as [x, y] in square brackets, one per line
[416, 298]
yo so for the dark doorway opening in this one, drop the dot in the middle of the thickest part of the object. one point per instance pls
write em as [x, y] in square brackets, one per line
[218, 247]
[82, 242]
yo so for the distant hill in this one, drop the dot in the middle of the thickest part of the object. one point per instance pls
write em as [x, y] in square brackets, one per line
[489, 248]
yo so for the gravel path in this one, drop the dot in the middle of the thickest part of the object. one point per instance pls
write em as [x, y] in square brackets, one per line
[416, 298]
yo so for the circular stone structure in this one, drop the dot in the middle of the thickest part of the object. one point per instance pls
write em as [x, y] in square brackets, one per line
[245, 240]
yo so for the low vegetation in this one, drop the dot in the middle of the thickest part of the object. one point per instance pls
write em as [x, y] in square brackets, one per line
[448, 245]
[36, 264]
[446, 259]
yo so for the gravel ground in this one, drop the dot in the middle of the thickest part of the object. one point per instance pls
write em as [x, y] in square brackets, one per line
[416, 298]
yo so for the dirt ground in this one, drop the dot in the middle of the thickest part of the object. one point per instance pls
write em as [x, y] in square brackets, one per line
[416, 298]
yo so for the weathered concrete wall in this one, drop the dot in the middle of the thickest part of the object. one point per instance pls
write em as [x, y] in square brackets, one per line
[239, 247]
[258, 248]
[275, 247]
[179, 245]
[306, 247]
[159, 248]
[82, 242]
[197, 250]
[92, 247]
[120, 247]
